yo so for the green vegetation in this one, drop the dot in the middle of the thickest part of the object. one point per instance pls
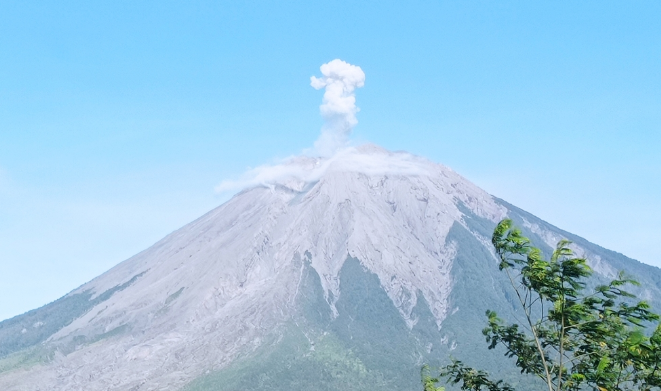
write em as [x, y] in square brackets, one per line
[291, 364]
[26, 358]
[648, 276]
[567, 339]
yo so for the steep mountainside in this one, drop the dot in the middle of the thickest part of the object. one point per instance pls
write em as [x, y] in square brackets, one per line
[346, 273]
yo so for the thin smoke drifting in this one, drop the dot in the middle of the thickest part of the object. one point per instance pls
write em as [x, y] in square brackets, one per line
[340, 79]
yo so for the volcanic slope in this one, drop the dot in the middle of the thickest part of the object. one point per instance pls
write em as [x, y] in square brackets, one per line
[346, 273]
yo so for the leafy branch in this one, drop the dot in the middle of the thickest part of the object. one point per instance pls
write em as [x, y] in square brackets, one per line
[582, 341]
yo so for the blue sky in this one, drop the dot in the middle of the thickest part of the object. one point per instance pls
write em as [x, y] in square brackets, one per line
[117, 119]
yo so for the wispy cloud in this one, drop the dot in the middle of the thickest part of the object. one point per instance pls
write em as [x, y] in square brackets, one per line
[296, 172]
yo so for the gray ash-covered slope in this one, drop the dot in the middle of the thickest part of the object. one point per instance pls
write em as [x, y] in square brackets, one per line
[340, 274]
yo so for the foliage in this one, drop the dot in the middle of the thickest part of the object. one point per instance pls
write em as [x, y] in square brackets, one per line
[429, 382]
[567, 338]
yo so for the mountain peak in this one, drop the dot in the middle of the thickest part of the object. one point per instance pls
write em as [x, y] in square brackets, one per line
[366, 246]
[369, 159]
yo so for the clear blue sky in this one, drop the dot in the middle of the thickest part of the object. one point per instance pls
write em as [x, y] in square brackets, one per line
[118, 118]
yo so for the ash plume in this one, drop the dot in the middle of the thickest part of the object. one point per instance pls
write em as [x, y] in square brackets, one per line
[338, 109]
[340, 79]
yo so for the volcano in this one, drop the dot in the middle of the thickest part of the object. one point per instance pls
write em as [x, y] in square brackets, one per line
[343, 273]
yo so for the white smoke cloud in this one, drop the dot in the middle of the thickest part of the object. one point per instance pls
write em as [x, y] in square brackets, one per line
[338, 109]
[340, 79]
[296, 172]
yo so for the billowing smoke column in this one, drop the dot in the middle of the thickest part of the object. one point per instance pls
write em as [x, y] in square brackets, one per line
[339, 104]
[339, 112]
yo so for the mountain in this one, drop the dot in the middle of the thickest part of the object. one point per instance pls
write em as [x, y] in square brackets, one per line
[345, 273]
